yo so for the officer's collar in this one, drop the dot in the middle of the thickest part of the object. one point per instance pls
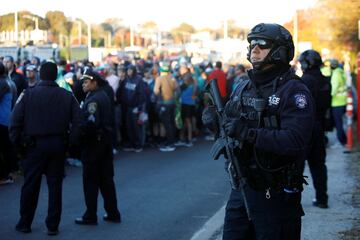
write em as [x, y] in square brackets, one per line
[47, 83]
[90, 93]
[264, 77]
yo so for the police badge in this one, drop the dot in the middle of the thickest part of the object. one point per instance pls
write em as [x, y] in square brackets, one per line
[92, 107]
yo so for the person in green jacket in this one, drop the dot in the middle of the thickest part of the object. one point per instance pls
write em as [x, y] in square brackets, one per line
[339, 97]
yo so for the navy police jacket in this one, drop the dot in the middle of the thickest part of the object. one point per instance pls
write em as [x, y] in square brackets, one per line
[45, 110]
[283, 132]
[97, 116]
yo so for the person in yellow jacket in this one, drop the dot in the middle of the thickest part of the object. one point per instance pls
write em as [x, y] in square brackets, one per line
[339, 95]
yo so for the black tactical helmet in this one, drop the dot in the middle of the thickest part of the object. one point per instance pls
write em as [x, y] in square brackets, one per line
[282, 51]
[334, 63]
[310, 59]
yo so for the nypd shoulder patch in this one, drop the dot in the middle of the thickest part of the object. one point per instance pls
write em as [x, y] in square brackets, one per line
[301, 100]
[92, 107]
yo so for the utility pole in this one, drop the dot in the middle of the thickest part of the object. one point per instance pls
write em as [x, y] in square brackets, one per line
[16, 28]
[225, 29]
[131, 35]
[296, 33]
[89, 38]
[79, 32]
[36, 23]
[109, 39]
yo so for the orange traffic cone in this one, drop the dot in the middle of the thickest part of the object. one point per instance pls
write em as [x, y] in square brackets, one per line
[349, 117]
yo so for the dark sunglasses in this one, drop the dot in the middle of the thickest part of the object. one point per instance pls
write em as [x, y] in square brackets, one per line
[262, 43]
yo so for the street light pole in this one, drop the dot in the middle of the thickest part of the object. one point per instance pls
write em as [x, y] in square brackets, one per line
[131, 35]
[89, 38]
[79, 31]
[36, 23]
[296, 33]
[16, 28]
[225, 29]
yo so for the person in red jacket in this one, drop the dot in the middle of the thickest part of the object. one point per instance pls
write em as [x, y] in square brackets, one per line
[219, 74]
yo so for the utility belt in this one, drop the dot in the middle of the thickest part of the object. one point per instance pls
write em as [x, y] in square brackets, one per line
[27, 142]
[289, 180]
[267, 170]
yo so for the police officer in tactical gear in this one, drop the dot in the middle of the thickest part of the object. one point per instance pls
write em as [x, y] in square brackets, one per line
[97, 155]
[271, 116]
[41, 122]
[320, 89]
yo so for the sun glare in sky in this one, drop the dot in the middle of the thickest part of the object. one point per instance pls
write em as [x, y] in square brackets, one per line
[167, 14]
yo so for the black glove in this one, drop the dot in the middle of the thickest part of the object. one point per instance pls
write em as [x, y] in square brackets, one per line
[209, 116]
[239, 130]
[235, 128]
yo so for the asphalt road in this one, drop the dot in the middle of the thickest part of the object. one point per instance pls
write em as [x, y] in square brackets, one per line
[161, 196]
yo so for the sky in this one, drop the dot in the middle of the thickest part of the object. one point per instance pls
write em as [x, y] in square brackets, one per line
[167, 14]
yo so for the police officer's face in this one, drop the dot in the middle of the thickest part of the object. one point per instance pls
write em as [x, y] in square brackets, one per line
[258, 55]
[89, 85]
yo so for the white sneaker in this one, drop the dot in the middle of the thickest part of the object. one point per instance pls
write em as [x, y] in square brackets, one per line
[128, 149]
[167, 149]
[137, 150]
[180, 144]
[189, 144]
[77, 163]
[7, 180]
[209, 138]
[70, 161]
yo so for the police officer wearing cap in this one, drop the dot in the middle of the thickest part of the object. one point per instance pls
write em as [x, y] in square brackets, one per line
[271, 115]
[97, 155]
[45, 119]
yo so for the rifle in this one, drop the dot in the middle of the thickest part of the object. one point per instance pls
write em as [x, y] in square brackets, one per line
[224, 142]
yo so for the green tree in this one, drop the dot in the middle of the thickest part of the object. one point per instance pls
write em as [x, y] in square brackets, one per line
[115, 23]
[74, 32]
[7, 21]
[58, 24]
[233, 30]
[331, 24]
[182, 33]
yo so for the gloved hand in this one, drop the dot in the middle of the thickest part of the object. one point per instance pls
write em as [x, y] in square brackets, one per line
[235, 128]
[209, 116]
[210, 119]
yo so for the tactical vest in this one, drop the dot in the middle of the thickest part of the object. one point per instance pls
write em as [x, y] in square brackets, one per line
[259, 108]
